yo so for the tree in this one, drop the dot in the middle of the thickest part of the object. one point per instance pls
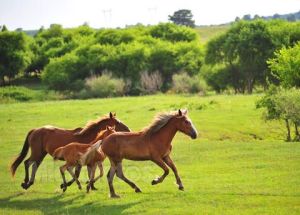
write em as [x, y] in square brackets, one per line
[281, 104]
[4, 28]
[247, 17]
[286, 66]
[12, 54]
[244, 49]
[183, 17]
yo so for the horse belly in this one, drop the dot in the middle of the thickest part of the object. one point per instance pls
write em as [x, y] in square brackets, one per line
[136, 153]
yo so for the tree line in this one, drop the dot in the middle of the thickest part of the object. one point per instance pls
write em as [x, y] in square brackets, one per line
[250, 54]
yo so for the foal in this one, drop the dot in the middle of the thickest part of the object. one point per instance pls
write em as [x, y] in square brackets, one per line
[73, 152]
[153, 143]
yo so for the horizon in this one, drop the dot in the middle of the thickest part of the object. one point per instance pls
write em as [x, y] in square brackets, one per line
[33, 14]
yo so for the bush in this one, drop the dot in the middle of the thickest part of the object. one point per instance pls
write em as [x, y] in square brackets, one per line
[284, 105]
[102, 86]
[182, 83]
[151, 82]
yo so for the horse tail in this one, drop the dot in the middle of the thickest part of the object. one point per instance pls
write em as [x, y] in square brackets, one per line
[21, 156]
[90, 153]
[58, 153]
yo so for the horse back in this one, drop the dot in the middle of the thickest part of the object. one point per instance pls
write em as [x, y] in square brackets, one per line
[49, 138]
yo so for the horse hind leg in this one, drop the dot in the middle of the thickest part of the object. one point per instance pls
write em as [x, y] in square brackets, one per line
[35, 165]
[110, 177]
[121, 175]
[91, 171]
[27, 164]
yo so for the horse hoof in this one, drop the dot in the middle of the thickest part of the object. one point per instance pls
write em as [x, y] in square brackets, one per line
[154, 182]
[62, 186]
[87, 189]
[69, 183]
[114, 196]
[181, 188]
[137, 190]
[64, 189]
[24, 186]
[93, 188]
[79, 187]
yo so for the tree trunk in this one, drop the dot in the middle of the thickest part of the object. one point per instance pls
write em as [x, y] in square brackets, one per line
[2, 81]
[288, 137]
[297, 138]
[250, 82]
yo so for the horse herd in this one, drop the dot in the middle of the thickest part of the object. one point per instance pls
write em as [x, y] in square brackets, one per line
[109, 137]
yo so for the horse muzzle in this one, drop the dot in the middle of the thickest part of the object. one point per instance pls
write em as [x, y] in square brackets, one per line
[193, 135]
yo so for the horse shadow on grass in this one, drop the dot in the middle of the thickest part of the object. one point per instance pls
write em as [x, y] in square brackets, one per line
[60, 204]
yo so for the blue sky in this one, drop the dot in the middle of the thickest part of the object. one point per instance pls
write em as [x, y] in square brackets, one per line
[32, 14]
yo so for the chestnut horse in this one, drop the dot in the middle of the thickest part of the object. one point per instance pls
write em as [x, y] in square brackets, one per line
[46, 139]
[84, 155]
[152, 143]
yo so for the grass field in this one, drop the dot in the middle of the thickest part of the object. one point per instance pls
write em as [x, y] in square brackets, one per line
[239, 164]
[208, 32]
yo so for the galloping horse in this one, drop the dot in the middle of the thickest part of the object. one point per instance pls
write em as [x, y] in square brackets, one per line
[153, 143]
[46, 139]
[85, 155]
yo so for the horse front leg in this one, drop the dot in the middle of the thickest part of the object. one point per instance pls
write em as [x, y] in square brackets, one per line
[70, 170]
[171, 164]
[162, 165]
[77, 173]
[62, 172]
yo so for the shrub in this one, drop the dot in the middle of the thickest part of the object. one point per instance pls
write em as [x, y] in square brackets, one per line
[284, 105]
[183, 83]
[103, 86]
[151, 82]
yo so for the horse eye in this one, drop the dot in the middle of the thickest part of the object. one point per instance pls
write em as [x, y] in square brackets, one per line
[187, 122]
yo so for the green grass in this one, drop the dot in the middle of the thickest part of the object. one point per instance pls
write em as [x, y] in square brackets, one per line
[239, 164]
[208, 32]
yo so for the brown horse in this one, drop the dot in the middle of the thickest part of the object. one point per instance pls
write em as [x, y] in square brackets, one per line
[153, 143]
[46, 139]
[85, 155]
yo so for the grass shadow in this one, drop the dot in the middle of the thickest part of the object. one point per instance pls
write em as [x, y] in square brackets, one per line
[61, 204]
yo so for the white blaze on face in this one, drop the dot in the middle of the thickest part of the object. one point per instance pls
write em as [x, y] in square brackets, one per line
[192, 125]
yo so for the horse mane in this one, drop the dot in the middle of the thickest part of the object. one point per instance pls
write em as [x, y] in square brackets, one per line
[159, 121]
[91, 125]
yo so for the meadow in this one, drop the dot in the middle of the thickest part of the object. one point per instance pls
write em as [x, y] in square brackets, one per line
[240, 164]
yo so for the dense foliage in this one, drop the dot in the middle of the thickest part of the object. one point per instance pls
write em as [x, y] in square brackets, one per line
[250, 54]
[241, 54]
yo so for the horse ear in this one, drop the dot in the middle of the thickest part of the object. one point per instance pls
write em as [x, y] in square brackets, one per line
[184, 112]
[179, 112]
[111, 115]
[115, 114]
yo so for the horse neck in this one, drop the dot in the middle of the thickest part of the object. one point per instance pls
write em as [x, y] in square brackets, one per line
[92, 136]
[166, 133]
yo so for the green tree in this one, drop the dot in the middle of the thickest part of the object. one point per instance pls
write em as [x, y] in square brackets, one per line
[244, 49]
[183, 17]
[282, 104]
[12, 54]
[286, 66]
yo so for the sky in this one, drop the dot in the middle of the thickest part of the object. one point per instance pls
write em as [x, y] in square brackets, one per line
[32, 14]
